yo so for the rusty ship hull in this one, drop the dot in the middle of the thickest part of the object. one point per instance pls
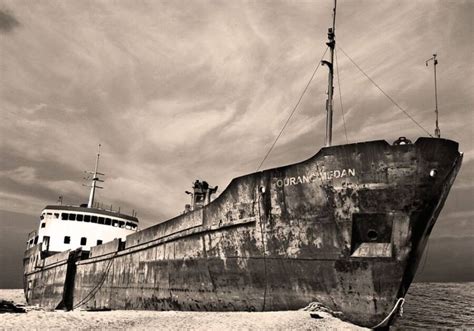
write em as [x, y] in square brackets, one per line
[345, 228]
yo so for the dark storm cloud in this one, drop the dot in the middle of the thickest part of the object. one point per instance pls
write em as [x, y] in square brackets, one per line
[8, 22]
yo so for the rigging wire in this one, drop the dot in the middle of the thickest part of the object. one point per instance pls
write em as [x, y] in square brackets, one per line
[340, 97]
[388, 97]
[293, 111]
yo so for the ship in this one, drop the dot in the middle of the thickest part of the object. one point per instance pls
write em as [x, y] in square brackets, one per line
[345, 228]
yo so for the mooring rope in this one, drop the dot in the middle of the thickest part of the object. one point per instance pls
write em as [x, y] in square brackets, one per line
[400, 302]
[91, 294]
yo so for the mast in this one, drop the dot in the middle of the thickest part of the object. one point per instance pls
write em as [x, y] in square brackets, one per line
[329, 102]
[437, 132]
[95, 179]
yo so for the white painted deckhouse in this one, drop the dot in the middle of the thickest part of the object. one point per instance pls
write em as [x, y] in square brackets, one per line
[71, 227]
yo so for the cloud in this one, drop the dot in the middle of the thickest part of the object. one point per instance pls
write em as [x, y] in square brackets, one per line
[27, 204]
[33, 110]
[23, 175]
[8, 22]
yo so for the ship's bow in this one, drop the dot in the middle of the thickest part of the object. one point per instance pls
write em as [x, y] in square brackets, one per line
[348, 227]
[396, 211]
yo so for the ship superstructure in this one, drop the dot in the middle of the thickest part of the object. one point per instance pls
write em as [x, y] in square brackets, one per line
[64, 227]
[69, 227]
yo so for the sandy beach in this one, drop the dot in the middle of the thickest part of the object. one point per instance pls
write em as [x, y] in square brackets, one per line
[164, 320]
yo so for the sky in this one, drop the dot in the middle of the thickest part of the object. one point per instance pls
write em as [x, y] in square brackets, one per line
[183, 90]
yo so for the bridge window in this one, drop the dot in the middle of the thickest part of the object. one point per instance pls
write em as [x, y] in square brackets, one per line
[94, 219]
[43, 225]
[64, 216]
[56, 215]
[72, 217]
[83, 241]
[79, 217]
[116, 223]
[101, 220]
[67, 240]
[99, 242]
[122, 224]
[87, 218]
[108, 221]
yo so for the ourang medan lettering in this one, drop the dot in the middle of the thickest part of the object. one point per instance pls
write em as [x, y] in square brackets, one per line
[323, 175]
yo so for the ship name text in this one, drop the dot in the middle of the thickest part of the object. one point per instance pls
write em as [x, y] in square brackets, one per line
[322, 175]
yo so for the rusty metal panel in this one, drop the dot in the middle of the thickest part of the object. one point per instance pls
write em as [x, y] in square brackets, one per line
[175, 225]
